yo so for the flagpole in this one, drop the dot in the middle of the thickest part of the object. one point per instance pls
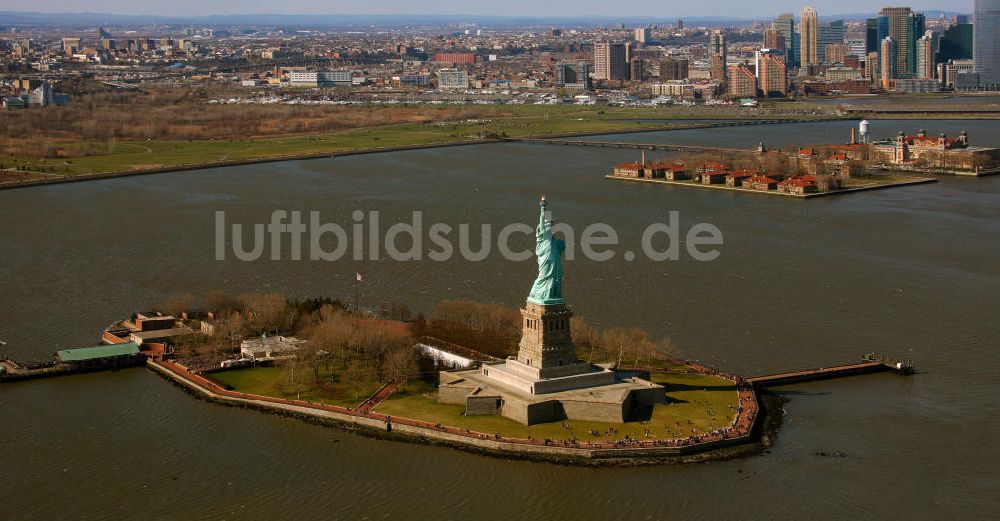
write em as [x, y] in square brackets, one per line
[357, 301]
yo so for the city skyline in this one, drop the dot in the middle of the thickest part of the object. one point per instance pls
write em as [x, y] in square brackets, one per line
[558, 8]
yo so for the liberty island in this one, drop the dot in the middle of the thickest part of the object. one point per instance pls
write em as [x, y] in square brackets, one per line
[546, 381]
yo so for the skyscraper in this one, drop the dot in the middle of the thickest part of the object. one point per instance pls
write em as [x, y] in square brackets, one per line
[986, 41]
[956, 43]
[925, 55]
[610, 62]
[904, 27]
[809, 37]
[717, 52]
[831, 33]
[871, 35]
[786, 25]
[773, 39]
[887, 58]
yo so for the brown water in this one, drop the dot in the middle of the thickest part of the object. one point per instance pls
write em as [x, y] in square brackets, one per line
[912, 271]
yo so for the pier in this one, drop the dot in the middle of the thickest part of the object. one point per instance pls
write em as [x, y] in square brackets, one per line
[867, 366]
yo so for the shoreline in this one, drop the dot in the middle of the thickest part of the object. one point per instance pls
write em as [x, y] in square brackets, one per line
[374, 424]
[896, 184]
[61, 179]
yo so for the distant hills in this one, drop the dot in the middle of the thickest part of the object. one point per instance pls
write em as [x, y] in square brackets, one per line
[16, 18]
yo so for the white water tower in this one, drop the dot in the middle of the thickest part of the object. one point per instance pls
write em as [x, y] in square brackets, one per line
[863, 130]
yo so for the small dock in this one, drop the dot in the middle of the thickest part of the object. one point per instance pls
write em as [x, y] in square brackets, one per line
[870, 364]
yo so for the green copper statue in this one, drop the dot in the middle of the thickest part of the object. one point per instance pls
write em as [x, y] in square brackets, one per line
[548, 286]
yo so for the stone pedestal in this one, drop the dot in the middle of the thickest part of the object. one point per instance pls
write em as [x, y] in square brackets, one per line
[546, 341]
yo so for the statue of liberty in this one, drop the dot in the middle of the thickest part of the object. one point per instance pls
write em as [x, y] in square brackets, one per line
[547, 288]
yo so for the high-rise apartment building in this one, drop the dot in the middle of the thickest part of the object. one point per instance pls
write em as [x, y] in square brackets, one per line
[809, 37]
[872, 66]
[673, 69]
[742, 82]
[986, 41]
[772, 74]
[610, 61]
[637, 69]
[643, 34]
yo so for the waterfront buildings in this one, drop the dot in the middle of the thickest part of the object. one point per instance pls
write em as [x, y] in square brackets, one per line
[809, 37]
[772, 75]
[742, 82]
[986, 41]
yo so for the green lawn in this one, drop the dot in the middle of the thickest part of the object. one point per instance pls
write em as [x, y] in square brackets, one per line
[508, 120]
[697, 402]
[276, 382]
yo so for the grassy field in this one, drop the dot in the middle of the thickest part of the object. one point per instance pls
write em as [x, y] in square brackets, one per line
[511, 121]
[697, 404]
[276, 382]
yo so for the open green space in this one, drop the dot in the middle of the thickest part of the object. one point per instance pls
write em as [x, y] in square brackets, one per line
[279, 382]
[507, 120]
[696, 404]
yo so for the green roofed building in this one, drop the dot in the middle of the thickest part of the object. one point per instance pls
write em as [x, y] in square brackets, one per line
[102, 356]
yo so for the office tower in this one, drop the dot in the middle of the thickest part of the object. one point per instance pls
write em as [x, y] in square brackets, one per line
[680, 24]
[643, 34]
[986, 41]
[831, 33]
[786, 24]
[956, 43]
[718, 54]
[904, 27]
[773, 39]
[772, 74]
[637, 69]
[871, 35]
[673, 69]
[742, 82]
[610, 62]
[887, 65]
[809, 37]
[925, 53]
